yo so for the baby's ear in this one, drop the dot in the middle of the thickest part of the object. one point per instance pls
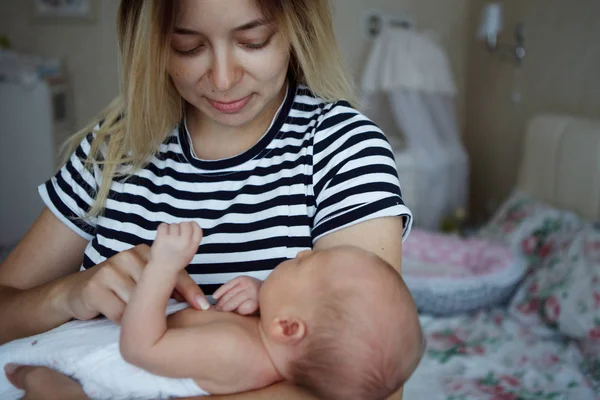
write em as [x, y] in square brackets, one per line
[289, 331]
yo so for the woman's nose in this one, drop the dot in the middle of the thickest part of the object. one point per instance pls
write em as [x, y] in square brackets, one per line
[225, 71]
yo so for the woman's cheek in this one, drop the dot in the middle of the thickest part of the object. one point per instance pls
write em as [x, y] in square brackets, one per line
[187, 70]
[266, 64]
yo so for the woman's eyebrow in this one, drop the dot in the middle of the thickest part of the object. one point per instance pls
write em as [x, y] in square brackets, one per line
[185, 31]
[246, 27]
[251, 25]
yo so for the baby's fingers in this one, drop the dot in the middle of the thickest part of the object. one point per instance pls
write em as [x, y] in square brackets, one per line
[227, 297]
[233, 303]
[226, 287]
[248, 307]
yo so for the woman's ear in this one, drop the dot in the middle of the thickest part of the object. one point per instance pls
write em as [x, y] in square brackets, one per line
[289, 331]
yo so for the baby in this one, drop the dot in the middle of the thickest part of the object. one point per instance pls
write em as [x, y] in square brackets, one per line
[338, 322]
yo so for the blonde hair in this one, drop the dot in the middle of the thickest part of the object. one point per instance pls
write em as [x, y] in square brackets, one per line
[130, 130]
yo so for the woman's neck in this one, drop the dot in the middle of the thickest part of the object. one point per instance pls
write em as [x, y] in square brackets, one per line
[214, 141]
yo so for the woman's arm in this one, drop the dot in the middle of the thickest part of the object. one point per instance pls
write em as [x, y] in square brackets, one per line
[41, 289]
[278, 391]
[31, 296]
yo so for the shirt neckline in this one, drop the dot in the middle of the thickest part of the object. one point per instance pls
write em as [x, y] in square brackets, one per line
[231, 162]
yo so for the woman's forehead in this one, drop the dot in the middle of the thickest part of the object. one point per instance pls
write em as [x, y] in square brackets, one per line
[217, 12]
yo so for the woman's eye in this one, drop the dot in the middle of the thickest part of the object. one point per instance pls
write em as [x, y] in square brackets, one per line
[191, 52]
[257, 46]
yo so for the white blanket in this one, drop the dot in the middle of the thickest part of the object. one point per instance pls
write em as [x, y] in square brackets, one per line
[89, 352]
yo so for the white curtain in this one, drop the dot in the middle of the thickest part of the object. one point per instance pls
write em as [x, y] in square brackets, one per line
[432, 164]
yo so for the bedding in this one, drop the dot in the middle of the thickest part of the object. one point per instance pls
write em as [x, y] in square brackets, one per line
[564, 293]
[492, 356]
[545, 344]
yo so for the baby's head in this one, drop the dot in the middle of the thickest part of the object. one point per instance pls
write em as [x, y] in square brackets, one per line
[341, 323]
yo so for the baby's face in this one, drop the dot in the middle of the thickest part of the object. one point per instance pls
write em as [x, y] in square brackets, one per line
[294, 283]
[291, 280]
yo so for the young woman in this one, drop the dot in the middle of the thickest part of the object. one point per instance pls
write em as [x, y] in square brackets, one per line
[236, 114]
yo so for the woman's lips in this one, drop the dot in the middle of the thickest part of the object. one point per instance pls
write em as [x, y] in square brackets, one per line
[232, 107]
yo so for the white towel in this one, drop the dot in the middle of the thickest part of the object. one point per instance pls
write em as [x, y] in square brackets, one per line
[403, 59]
[89, 352]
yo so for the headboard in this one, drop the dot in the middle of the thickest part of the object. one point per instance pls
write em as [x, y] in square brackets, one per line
[560, 164]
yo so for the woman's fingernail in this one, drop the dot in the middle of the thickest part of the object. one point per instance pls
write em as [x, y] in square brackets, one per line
[203, 303]
[10, 368]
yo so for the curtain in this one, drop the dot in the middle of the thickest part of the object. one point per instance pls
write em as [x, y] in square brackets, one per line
[433, 165]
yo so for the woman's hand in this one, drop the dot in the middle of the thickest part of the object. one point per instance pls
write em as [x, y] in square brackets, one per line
[239, 294]
[107, 288]
[41, 383]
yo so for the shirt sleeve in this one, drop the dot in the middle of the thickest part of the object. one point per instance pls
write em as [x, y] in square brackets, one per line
[71, 192]
[355, 177]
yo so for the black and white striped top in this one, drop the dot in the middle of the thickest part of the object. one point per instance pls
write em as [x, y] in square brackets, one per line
[319, 168]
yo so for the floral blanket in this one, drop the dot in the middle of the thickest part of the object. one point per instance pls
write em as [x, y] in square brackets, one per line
[492, 356]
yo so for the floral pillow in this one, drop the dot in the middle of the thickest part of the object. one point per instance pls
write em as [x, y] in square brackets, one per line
[514, 213]
[529, 228]
[548, 233]
[564, 293]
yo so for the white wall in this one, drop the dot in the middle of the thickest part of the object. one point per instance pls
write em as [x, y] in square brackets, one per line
[559, 75]
[89, 50]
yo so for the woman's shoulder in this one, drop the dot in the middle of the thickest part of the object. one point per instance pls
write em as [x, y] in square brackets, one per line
[307, 100]
[336, 118]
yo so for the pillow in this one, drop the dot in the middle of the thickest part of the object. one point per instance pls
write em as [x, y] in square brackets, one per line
[515, 212]
[531, 229]
[564, 293]
[448, 275]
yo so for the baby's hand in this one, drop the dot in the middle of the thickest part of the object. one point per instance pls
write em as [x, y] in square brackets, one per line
[175, 244]
[239, 294]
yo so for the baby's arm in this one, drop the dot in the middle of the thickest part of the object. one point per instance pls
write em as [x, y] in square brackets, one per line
[145, 340]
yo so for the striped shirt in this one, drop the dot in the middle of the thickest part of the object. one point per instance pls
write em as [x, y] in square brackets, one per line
[319, 168]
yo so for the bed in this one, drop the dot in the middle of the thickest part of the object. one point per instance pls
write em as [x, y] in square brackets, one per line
[544, 342]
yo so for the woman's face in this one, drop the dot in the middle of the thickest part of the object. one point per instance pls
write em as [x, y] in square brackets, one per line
[227, 61]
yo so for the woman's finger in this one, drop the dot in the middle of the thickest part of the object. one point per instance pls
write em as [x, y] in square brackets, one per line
[109, 305]
[134, 271]
[177, 296]
[191, 292]
[143, 252]
[123, 288]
